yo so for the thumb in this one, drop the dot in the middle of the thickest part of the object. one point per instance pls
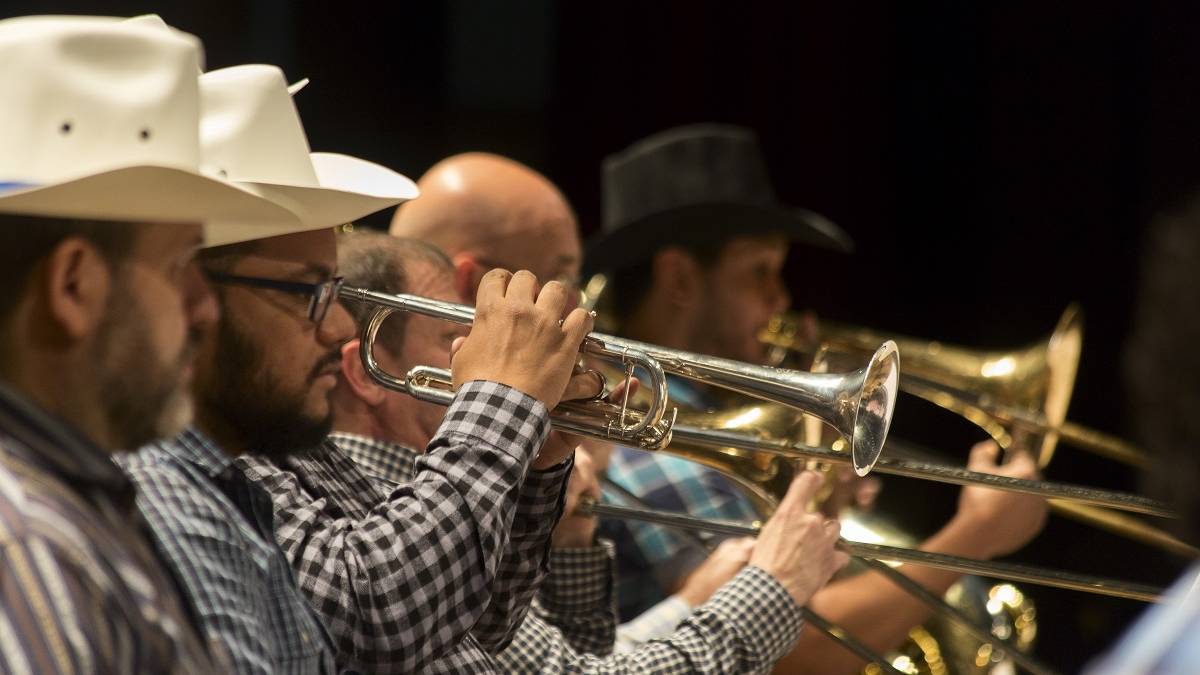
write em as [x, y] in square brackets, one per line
[456, 345]
[984, 456]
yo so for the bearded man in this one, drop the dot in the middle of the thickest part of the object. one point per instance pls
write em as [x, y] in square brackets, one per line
[102, 209]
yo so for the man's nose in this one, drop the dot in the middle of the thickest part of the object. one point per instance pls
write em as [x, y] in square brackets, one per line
[338, 326]
[200, 302]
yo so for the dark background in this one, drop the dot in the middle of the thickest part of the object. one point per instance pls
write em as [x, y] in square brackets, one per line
[994, 161]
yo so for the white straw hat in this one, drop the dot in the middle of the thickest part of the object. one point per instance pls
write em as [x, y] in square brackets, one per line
[251, 134]
[100, 119]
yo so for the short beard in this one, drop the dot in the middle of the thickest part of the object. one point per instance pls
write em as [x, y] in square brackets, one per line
[249, 401]
[143, 398]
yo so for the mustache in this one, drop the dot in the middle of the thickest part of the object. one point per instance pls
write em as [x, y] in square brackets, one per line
[330, 361]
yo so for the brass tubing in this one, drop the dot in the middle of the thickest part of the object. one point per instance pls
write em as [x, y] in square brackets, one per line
[1123, 501]
[958, 617]
[847, 641]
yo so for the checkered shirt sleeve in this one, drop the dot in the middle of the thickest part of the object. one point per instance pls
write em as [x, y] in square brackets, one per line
[578, 598]
[526, 559]
[405, 584]
[748, 625]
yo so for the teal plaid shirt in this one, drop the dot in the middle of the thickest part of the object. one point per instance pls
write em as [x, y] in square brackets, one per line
[651, 559]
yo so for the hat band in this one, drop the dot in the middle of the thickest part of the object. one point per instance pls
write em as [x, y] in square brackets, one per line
[9, 186]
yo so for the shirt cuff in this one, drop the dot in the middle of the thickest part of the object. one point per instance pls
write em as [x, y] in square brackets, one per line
[499, 416]
[659, 621]
[580, 579]
[542, 500]
[767, 616]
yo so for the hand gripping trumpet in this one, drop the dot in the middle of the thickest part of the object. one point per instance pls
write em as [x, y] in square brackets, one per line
[858, 404]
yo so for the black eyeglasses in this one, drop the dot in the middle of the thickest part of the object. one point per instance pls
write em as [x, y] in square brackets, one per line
[320, 296]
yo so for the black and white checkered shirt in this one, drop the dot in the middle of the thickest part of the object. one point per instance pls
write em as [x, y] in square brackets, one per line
[575, 602]
[745, 628]
[407, 577]
[748, 625]
[215, 530]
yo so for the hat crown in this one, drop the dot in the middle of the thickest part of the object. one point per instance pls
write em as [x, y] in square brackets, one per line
[250, 129]
[89, 94]
[702, 164]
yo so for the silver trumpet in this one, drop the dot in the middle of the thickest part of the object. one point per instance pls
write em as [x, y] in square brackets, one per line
[858, 405]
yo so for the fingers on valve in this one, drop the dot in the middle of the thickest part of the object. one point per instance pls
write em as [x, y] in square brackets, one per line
[522, 287]
[553, 298]
[578, 324]
[492, 287]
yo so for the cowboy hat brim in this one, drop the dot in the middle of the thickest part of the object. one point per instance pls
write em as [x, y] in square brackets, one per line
[350, 188]
[636, 242]
[155, 194]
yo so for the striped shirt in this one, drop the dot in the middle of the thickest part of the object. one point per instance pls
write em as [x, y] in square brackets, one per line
[215, 529]
[652, 559]
[81, 590]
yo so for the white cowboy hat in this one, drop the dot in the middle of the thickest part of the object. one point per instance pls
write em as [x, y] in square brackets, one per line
[100, 120]
[251, 134]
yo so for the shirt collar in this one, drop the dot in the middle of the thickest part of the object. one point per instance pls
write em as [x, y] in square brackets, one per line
[57, 445]
[373, 453]
[193, 446]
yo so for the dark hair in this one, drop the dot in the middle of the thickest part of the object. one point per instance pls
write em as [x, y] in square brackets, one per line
[378, 262]
[628, 285]
[26, 240]
[1162, 365]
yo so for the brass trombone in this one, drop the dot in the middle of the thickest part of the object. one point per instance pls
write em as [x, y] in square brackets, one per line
[1025, 390]
[858, 405]
[1002, 392]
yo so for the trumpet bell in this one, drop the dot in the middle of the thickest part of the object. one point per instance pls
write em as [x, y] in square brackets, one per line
[873, 404]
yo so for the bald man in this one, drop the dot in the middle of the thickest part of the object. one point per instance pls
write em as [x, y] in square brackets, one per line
[487, 211]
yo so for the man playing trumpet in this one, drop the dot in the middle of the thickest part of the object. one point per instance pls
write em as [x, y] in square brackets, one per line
[746, 626]
[711, 293]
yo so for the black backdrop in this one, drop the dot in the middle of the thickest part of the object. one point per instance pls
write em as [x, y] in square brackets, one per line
[994, 161]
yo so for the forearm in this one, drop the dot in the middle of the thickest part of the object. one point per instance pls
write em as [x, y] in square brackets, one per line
[526, 559]
[744, 628]
[877, 611]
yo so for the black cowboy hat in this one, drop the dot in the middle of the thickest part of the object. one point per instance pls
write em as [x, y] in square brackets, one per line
[695, 184]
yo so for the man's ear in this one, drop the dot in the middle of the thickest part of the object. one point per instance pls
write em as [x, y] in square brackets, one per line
[678, 276]
[356, 377]
[77, 285]
[467, 273]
